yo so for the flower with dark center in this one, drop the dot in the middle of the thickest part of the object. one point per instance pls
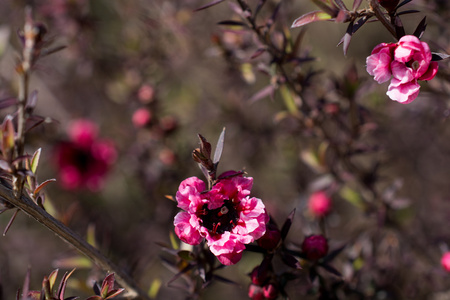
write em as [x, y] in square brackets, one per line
[226, 216]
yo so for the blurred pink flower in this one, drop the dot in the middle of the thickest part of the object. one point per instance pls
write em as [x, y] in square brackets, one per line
[407, 61]
[141, 117]
[319, 204]
[445, 261]
[84, 160]
[315, 247]
[226, 216]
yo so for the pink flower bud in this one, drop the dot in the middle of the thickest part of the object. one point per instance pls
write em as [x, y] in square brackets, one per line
[270, 291]
[319, 204]
[146, 94]
[141, 117]
[445, 261]
[315, 247]
[255, 292]
[271, 238]
[258, 276]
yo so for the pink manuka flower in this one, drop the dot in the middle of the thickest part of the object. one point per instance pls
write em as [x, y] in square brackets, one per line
[84, 160]
[226, 216]
[407, 61]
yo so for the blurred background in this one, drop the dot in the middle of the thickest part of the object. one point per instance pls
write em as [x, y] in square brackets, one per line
[153, 74]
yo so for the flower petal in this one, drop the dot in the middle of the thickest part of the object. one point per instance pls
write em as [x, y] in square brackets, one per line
[403, 92]
[184, 229]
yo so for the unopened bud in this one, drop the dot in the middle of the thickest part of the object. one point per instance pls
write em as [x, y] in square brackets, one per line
[270, 291]
[445, 261]
[319, 204]
[255, 292]
[271, 238]
[315, 247]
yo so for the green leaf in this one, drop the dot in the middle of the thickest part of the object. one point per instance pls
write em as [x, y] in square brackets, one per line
[352, 196]
[154, 288]
[35, 160]
[289, 99]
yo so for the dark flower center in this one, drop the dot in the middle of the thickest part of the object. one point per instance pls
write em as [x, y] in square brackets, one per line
[220, 219]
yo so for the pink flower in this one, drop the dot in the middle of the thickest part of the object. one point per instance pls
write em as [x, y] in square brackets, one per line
[319, 204]
[226, 216]
[141, 117]
[315, 247]
[407, 61]
[445, 261]
[84, 161]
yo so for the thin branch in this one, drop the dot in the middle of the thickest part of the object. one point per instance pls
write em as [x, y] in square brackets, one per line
[27, 205]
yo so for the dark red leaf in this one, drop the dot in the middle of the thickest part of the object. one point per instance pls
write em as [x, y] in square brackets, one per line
[421, 28]
[287, 225]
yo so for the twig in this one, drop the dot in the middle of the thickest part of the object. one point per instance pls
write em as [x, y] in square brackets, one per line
[27, 205]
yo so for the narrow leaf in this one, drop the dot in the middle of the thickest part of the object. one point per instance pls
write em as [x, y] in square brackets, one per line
[232, 23]
[327, 6]
[331, 269]
[10, 222]
[421, 28]
[356, 4]
[287, 225]
[114, 293]
[63, 284]
[399, 29]
[52, 278]
[267, 91]
[209, 5]
[4, 103]
[347, 37]
[179, 274]
[403, 3]
[311, 17]
[438, 56]
[219, 147]
[42, 185]
[406, 12]
[258, 53]
[26, 284]
[35, 160]
[258, 7]
[108, 284]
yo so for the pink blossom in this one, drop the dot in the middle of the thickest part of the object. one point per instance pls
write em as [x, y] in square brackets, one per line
[319, 204]
[141, 117]
[407, 61]
[226, 216]
[84, 160]
[445, 261]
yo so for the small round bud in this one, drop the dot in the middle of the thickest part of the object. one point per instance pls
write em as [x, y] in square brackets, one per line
[270, 291]
[315, 247]
[319, 204]
[255, 292]
[141, 117]
[271, 238]
[258, 276]
[146, 94]
[445, 261]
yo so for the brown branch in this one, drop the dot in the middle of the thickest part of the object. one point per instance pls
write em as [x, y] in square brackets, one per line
[27, 205]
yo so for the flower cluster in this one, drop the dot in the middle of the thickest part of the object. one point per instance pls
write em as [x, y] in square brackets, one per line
[226, 216]
[84, 160]
[407, 61]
